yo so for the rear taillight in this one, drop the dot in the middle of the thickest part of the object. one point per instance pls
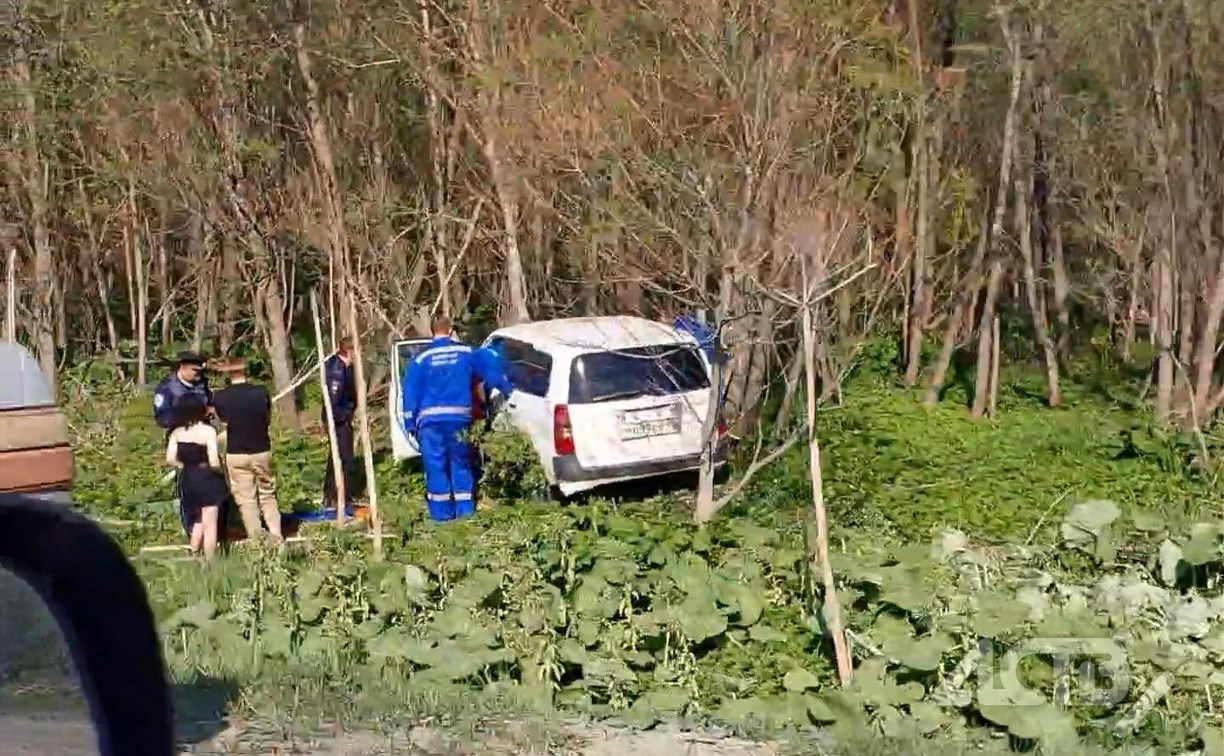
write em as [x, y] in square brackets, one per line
[722, 429]
[563, 433]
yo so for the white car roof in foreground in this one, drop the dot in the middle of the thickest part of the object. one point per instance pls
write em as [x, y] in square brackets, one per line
[22, 381]
[595, 334]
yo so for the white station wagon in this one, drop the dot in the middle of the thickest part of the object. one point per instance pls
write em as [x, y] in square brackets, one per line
[602, 399]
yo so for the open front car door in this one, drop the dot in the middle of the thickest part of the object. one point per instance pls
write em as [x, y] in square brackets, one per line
[402, 447]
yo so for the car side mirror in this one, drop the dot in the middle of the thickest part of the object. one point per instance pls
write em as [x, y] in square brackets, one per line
[100, 607]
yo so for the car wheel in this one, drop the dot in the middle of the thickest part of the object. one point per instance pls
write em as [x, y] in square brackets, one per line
[556, 496]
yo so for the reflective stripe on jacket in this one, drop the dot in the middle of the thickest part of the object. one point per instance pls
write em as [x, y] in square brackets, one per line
[439, 383]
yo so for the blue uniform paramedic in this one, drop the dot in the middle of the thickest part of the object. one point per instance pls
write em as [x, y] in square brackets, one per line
[342, 396]
[709, 343]
[187, 379]
[437, 409]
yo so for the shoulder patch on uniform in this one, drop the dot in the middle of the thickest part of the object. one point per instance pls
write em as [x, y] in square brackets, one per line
[159, 400]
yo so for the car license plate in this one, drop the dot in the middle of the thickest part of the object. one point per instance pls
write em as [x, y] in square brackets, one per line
[634, 426]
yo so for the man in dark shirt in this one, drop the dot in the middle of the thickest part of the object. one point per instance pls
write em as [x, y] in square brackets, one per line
[342, 396]
[246, 410]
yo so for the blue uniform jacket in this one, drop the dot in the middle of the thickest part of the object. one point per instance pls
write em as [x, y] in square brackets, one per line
[703, 333]
[341, 389]
[705, 337]
[438, 385]
[169, 391]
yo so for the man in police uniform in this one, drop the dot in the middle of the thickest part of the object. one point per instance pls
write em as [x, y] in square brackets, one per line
[187, 378]
[342, 396]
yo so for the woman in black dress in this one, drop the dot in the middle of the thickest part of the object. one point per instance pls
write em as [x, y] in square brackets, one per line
[193, 449]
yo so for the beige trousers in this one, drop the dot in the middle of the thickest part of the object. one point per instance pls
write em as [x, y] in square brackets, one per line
[254, 489]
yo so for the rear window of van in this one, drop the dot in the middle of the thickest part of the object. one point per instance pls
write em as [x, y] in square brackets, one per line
[662, 370]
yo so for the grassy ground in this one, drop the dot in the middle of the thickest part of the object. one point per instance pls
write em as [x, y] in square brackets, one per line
[894, 470]
[891, 463]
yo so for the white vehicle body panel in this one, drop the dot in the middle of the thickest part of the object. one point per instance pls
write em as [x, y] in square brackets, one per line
[402, 354]
[615, 440]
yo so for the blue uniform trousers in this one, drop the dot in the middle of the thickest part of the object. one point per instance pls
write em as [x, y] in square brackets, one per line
[446, 457]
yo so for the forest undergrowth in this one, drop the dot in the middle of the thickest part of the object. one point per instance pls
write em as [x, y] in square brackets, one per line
[952, 540]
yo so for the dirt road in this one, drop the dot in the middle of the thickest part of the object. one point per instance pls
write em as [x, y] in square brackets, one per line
[47, 734]
[71, 734]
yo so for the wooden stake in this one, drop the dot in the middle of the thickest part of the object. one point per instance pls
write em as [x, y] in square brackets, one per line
[327, 409]
[10, 313]
[832, 610]
[142, 292]
[994, 366]
[331, 299]
[180, 547]
[367, 449]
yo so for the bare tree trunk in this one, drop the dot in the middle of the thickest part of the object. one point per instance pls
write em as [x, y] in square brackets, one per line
[903, 251]
[919, 310]
[986, 242]
[1024, 222]
[320, 143]
[166, 291]
[36, 174]
[985, 353]
[994, 367]
[363, 414]
[10, 297]
[1044, 192]
[1062, 292]
[758, 365]
[706, 505]
[100, 279]
[206, 287]
[960, 318]
[214, 311]
[436, 224]
[1132, 307]
[1168, 255]
[1164, 335]
[234, 190]
[516, 282]
[1007, 155]
[59, 281]
[132, 231]
[832, 611]
[228, 299]
[112, 333]
[590, 289]
[793, 373]
[1186, 287]
[280, 351]
[1208, 334]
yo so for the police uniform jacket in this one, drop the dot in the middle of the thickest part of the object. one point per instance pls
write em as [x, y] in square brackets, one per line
[341, 390]
[169, 391]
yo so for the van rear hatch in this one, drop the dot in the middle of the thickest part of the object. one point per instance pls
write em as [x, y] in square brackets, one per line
[639, 404]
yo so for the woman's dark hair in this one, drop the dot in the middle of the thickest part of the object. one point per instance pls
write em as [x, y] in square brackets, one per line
[188, 411]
